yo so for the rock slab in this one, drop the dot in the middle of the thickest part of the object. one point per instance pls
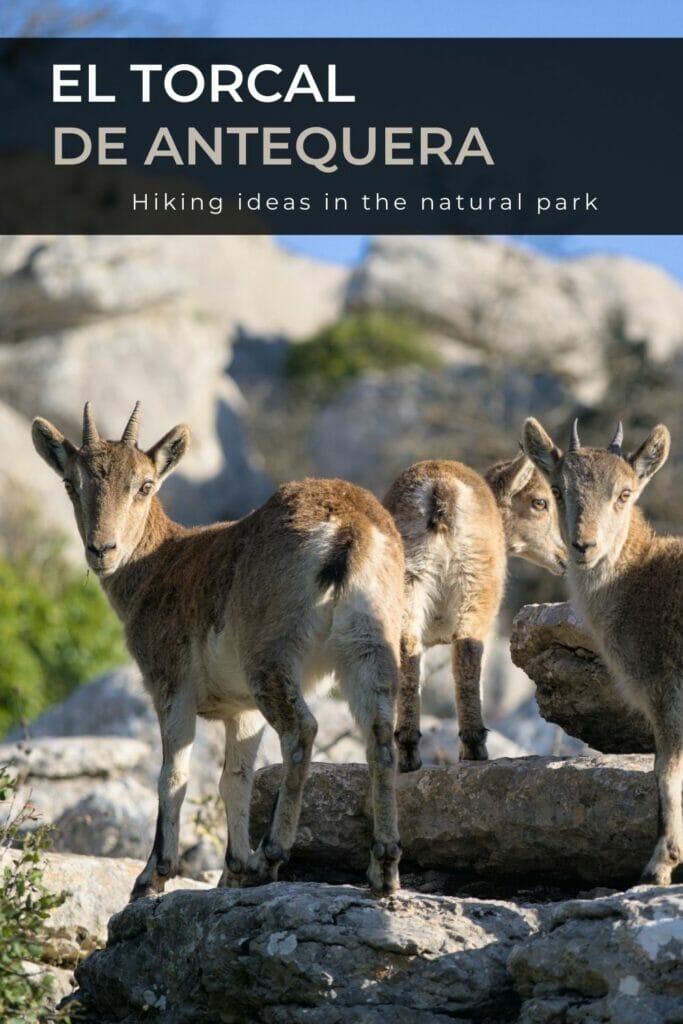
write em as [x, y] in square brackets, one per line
[617, 960]
[587, 818]
[573, 687]
[315, 954]
[286, 953]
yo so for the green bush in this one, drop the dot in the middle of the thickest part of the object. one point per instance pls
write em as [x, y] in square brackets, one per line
[24, 905]
[56, 628]
[360, 342]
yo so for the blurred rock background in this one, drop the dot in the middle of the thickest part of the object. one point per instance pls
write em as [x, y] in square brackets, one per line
[284, 366]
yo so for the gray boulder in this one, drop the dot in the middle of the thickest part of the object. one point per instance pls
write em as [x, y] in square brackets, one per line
[617, 960]
[311, 954]
[531, 816]
[95, 888]
[284, 954]
[378, 424]
[573, 687]
[509, 301]
[116, 819]
[111, 362]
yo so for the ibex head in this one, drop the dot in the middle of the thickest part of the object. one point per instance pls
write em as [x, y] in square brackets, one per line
[530, 519]
[595, 488]
[110, 483]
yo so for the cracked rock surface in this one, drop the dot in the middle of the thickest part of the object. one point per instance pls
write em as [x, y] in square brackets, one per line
[296, 954]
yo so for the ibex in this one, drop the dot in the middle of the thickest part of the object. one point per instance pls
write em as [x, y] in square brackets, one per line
[458, 529]
[239, 617]
[626, 581]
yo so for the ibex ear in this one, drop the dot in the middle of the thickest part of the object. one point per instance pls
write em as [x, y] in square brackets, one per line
[540, 447]
[652, 454]
[167, 453]
[517, 475]
[51, 445]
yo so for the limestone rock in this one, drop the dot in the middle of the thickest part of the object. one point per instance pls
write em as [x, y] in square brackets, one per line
[284, 954]
[62, 980]
[381, 422]
[115, 819]
[52, 282]
[510, 817]
[25, 491]
[51, 758]
[310, 954]
[75, 278]
[501, 298]
[58, 775]
[608, 961]
[573, 686]
[96, 888]
[111, 362]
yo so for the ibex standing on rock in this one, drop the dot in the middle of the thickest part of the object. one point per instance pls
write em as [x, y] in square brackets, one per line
[228, 619]
[628, 584]
[458, 529]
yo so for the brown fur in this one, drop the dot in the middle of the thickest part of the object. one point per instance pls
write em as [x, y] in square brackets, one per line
[628, 583]
[457, 530]
[237, 618]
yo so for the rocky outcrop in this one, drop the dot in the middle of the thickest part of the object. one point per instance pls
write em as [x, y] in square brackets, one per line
[376, 425]
[606, 961]
[94, 889]
[310, 954]
[117, 318]
[511, 302]
[53, 282]
[573, 687]
[28, 493]
[290, 953]
[589, 818]
[111, 361]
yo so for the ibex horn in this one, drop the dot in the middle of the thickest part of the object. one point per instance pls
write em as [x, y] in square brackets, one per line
[615, 444]
[90, 434]
[574, 443]
[130, 434]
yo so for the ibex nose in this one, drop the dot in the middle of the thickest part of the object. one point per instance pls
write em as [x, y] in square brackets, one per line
[583, 548]
[102, 550]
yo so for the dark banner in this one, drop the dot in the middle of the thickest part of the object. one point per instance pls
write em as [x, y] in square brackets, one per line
[415, 136]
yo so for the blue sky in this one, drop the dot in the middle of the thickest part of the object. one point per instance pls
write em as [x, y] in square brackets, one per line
[414, 17]
[424, 18]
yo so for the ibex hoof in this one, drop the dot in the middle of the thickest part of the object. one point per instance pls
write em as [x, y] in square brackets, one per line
[408, 743]
[263, 865]
[473, 745]
[659, 875]
[383, 873]
[234, 874]
[141, 889]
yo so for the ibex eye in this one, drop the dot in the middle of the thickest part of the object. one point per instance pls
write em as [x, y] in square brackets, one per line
[69, 487]
[540, 503]
[146, 488]
[624, 496]
[556, 492]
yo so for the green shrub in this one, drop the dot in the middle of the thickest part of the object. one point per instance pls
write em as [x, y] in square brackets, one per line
[357, 343]
[24, 905]
[56, 628]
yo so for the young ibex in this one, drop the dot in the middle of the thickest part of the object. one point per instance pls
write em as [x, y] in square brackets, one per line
[458, 529]
[626, 581]
[237, 617]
